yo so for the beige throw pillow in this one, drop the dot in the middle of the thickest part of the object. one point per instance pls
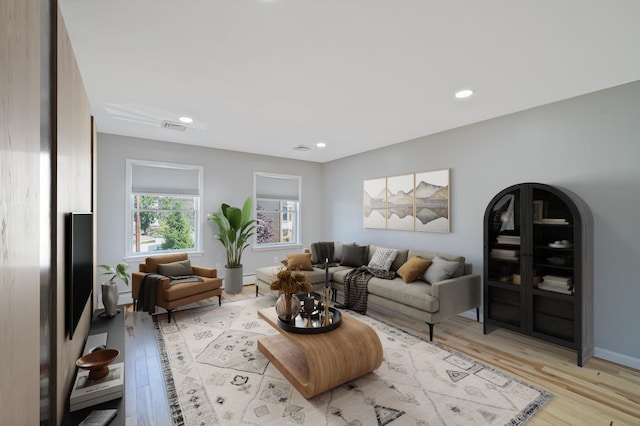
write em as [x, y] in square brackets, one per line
[301, 261]
[413, 268]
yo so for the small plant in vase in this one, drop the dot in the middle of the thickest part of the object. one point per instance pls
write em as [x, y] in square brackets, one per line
[110, 288]
[289, 282]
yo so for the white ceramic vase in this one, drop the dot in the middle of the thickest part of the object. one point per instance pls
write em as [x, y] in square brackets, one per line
[110, 298]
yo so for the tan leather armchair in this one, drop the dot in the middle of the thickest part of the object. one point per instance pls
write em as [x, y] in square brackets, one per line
[172, 296]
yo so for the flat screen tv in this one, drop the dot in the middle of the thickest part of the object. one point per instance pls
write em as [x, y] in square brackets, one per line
[79, 266]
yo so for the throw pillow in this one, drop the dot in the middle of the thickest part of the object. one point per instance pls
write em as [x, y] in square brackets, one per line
[353, 255]
[337, 252]
[413, 268]
[383, 258]
[175, 269]
[440, 270]
[301, 261]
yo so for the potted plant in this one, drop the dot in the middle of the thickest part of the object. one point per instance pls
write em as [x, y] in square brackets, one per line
[110, 288]
[235, 228]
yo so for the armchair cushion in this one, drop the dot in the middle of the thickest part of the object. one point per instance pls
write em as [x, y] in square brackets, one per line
[176, 269]
[150, 264]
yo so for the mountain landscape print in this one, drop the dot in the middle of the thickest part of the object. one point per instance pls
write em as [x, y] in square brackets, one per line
[375, 203]
[412, 202]
[432, 201]
[400, 203]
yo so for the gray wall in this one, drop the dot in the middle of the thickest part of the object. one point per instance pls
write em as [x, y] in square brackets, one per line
[587, 144]
[228, 178]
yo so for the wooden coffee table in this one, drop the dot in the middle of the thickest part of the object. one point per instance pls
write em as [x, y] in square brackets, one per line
[315, 363]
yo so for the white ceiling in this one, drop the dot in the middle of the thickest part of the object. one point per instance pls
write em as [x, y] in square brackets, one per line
[265, 76]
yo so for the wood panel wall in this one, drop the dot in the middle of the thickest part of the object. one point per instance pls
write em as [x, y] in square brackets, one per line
[73, 189]
[19, 211]
[43, 175]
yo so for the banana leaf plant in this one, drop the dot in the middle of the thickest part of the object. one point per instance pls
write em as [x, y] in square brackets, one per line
[236, 228]
[120, 271]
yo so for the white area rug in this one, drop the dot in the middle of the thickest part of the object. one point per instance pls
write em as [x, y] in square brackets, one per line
[215, 374]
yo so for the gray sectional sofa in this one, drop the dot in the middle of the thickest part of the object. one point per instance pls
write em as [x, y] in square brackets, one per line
[452, 292]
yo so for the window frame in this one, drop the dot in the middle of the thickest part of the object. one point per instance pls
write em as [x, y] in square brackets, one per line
[298, 213]
[129, 210]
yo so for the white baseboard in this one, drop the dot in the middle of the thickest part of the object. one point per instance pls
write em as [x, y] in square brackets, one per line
[605, 354]
[621, 359]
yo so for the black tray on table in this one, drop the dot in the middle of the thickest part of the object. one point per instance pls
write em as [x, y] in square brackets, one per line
[299, 324]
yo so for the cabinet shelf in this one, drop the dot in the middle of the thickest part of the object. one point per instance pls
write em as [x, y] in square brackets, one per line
[564, 319]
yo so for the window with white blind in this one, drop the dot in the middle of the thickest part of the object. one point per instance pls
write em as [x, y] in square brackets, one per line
[277, 209]
[163, 212]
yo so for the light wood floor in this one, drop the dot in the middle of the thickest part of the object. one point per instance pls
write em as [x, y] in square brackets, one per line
[600, 393]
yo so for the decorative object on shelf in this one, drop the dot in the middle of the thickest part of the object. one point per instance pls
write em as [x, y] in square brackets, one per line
[98, 362]
[235, 228]
[110, 288]
[561, 244]
[289, 281]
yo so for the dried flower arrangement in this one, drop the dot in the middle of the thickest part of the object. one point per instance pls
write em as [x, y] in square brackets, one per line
[290, 281]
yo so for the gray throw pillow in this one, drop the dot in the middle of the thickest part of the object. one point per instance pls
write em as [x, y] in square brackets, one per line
[440, 270]
[353, 255]
[175, 269]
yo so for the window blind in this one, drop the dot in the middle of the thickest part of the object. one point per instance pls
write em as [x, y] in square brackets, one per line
[164, 179]
[278, 187]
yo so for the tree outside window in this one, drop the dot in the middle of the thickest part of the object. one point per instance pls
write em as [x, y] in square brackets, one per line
[163, 223]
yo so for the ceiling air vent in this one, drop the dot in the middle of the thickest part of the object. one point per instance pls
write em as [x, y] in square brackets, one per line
[166, 124]
[302, 148]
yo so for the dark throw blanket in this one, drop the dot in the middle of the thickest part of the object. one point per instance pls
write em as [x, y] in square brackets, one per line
[149, 289]
[148, 293]
[355, 286]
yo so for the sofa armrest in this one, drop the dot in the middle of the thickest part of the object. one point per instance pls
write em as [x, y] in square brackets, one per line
[457, 295]
[203, 271]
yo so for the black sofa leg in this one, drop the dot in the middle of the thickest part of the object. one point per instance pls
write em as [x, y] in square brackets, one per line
[169, 315]
[256, 290]
[478, 313]
[219, 300]
[430, 332]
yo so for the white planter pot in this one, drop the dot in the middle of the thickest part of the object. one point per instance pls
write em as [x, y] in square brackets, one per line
[110, 299]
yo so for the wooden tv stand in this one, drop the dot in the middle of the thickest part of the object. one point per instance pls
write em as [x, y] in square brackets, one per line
[315, 363]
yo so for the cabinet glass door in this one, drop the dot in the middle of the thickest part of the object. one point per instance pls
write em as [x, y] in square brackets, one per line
[503, 260]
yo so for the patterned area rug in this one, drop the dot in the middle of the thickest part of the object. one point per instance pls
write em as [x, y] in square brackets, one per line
[215, 374]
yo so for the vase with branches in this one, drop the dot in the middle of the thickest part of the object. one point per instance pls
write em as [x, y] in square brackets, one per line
[289, 282]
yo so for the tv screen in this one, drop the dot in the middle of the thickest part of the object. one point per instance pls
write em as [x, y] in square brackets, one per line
[79, 266]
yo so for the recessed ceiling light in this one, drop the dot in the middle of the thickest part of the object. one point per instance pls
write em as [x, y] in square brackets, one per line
[464, 93]
[187, 120]
[321, 144]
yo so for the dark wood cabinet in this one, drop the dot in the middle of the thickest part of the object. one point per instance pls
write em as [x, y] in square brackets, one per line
[538, 266]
